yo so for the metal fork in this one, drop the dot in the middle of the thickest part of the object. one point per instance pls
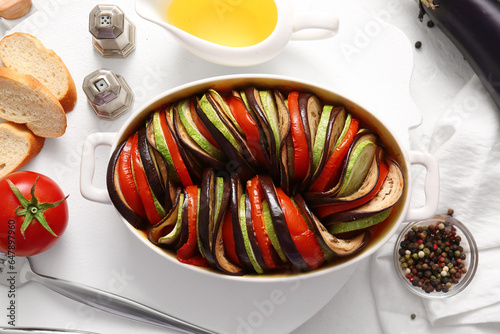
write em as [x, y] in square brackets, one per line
[17, 271]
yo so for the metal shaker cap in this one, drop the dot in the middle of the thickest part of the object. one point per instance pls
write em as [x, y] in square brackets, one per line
[108, 94]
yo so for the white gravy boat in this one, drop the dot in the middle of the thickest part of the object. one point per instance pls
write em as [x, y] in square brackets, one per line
[289, 26]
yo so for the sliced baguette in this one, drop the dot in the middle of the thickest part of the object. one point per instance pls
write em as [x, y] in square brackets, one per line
[18, 145]
[24, 100]
[25, 54]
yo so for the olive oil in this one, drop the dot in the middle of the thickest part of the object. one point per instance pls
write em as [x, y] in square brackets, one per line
[236, 23]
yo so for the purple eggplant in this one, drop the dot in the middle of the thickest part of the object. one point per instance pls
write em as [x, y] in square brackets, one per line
[474, 27]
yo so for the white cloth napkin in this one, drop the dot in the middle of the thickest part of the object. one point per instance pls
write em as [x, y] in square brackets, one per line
[466, 142]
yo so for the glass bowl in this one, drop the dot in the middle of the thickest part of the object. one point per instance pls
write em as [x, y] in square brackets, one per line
[470, 262]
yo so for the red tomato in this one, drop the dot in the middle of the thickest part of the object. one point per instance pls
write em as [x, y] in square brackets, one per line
[50, 209]
[141, 182]
[201, 127]
[189, 253]
[249, 126]
[126, 178]
[228, 238]
[180, 167]
[303, 238]
[300, 145]
[255, 194]
[330, 209]
[332, 169]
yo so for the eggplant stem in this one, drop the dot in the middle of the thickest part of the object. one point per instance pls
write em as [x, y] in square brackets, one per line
[429, 4]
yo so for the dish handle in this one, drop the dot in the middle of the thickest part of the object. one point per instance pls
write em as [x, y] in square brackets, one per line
[87, 167]
[431, 187]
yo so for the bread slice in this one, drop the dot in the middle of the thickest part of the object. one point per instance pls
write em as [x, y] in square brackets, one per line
[18, 145]
[23, 99]
[25, 54]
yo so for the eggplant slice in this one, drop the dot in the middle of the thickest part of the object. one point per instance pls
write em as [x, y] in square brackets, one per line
[280, 224]
[158, 157]
[221, 259]
[189, 144]
[336, 122]
[389, 194]
[151, 170]
[285, 156]
[362, 136]
[206, 215]
[315, 200]
[310, 109]
[213, 205]
[162, 166]
[254, 100]
[166, 232]
[340, 247]
[193, 166]
[236, 163]
[227, 118]
[236, 193]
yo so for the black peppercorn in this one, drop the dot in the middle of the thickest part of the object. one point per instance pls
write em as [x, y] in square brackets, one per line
[432, 257]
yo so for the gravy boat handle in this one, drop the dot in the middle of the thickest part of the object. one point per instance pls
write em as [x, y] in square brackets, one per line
[314, 25]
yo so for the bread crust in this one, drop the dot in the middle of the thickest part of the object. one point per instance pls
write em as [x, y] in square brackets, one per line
[17, 132]
[69, 97]
[14, 9]
[53, 114]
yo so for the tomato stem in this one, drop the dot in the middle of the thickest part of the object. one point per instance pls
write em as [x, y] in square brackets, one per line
[32, 209]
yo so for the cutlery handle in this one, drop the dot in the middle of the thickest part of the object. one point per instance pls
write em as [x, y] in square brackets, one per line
[35, 330]
[115, 304]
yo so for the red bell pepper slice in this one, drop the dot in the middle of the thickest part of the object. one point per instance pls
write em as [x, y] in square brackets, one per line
[249, 127]
[300, 146]
[303, 238]
[180, 167]
[141, 183]
[332, 169]
[228, 238]
[255, 194]
[329, 209]
[126, 180]
[189, 252]
[201, 127]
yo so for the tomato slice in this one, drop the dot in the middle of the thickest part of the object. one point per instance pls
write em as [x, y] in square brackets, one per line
[228, 238]
[332, 169]
[300, 145]
[201, 127]
[179, 164]
[255, 194]
[329, 209]
[189, 253]
[249, 127]
[303, 238]
[126, 179]
[141, 183]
